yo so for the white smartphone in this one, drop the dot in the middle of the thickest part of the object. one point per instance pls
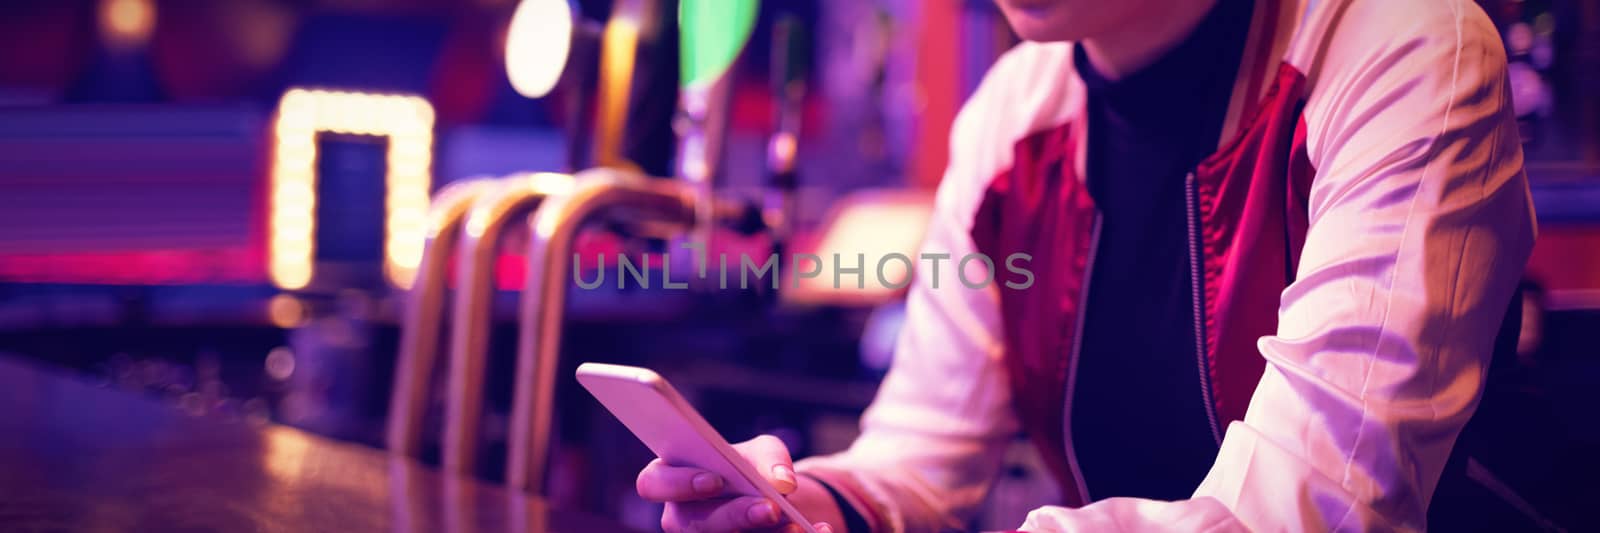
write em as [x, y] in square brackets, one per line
[675, 431]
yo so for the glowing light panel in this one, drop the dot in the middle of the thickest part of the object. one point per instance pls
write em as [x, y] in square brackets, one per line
[303, 113]
[537, 44]
[712, 34]
[127, 23]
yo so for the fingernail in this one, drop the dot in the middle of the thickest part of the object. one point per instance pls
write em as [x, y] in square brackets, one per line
[707, 483]
[763, 513]
[822, 527]
[793, 528]
[784, 473]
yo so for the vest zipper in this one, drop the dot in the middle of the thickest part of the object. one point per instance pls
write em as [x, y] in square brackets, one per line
[1197, 290]
[1072, 363]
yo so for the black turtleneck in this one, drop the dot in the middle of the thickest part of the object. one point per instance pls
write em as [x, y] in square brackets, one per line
[1139, 424]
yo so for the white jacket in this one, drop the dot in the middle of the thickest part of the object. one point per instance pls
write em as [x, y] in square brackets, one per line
[1419, 225]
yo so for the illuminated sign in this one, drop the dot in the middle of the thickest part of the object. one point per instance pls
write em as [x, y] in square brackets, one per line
[407, 122]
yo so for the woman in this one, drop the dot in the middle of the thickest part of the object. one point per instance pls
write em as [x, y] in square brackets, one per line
[1274, 242]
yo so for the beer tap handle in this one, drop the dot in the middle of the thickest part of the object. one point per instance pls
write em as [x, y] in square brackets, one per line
[790, 65]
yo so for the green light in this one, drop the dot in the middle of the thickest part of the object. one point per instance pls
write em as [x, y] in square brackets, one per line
[711, 33]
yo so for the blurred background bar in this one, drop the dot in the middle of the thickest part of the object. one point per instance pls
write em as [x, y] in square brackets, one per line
[225, 206]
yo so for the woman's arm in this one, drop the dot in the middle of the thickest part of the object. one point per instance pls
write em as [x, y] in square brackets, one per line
[933, 438]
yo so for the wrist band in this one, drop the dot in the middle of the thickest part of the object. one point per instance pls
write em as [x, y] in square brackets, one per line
[853, 521]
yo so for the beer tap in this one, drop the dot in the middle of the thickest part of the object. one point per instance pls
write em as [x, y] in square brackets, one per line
[492, 216]
[546, 44]
[419, 332]
[712, 34]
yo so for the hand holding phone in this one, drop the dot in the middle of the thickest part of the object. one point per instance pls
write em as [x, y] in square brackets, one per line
[705, 481]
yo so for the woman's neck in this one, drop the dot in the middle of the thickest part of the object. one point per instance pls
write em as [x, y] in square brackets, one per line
[1144, 38]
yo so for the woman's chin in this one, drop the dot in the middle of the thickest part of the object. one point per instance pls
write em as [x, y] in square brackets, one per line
[1044, 22]
[1073, 20]
[1040, 31]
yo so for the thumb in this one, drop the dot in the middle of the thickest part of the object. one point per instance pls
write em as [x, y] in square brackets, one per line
[771, 458]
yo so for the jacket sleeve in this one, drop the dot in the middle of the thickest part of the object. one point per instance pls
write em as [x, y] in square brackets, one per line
[1420, 227]
[933, 438]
